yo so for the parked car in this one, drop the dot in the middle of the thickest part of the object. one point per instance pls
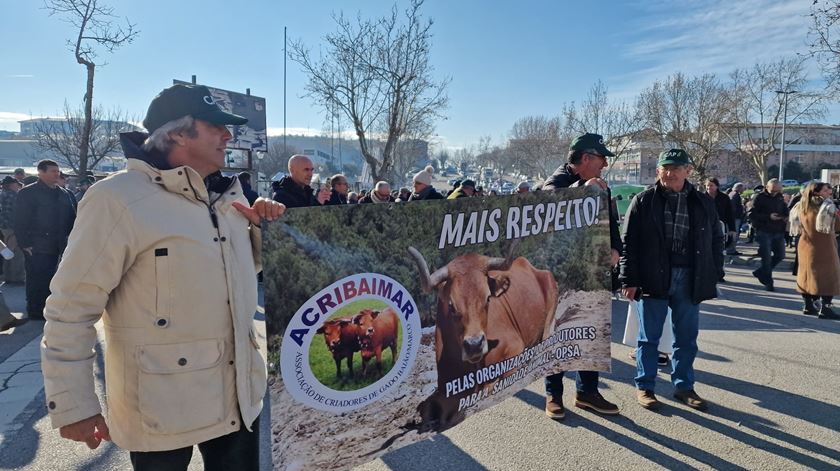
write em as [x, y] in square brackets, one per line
[790, 183]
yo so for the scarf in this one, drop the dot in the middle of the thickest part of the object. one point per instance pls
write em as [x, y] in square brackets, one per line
[374, 197]
[676, 219]
[825, 217]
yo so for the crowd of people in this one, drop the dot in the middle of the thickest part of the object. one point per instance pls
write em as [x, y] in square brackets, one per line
[167, 254]
[296, 190]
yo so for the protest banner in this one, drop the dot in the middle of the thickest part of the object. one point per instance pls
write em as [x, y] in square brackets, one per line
[390, 322]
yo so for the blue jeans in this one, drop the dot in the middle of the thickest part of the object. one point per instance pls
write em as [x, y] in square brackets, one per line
[769, 242]
[586, 382]
[685, 324]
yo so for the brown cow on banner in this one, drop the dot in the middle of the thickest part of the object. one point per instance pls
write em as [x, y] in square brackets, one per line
[377, 331]
[488, 310]
[341, 337]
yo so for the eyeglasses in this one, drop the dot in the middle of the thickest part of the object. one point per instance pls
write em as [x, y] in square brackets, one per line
[598, 155]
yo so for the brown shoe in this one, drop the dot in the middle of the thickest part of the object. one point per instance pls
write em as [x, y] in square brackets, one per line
[690, 398]
[646, 399]
[595, 401]
[554, 408]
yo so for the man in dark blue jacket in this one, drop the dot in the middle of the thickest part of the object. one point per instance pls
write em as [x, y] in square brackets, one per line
[247, 190]
[44, 216]
[587, 157]
[672, 250]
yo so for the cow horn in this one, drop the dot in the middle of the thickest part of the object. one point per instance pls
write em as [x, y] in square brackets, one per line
[502, 264]
[427, 281]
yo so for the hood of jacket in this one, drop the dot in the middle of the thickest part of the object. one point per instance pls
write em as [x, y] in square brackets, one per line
[132, 143]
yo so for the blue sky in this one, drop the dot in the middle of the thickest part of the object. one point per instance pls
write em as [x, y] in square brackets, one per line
[506, 59]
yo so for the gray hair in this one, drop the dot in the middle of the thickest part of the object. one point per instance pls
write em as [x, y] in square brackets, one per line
[380, 184]
[738, 186]
[772, 181]
[160, 139]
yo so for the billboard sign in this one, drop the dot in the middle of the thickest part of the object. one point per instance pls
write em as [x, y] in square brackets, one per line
[252, 135]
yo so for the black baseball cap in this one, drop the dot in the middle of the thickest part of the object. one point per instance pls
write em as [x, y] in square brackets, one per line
[180, 100]
[591, 141]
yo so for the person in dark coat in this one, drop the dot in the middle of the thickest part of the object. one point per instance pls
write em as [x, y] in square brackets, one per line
[294, 191]
[247, 190]
[587, 157]
[672, 250]
[44, 216]
[723, 205]
[769, 215]
[339, 189]
[423, 189]
[738, 214]
[381, 194]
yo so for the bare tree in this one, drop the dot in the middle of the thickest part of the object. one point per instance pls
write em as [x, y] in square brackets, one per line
[537, 144]
[443, 158]
[754, 127]
[464, 158]
[276, 158]
[378, 73]
[686, 113]
[64, 136]
[824, 39]
[616, 121]
[97, 29]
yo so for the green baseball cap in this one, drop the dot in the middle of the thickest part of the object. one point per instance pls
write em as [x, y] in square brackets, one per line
[674, 157]
[180, 100]
[591, 141]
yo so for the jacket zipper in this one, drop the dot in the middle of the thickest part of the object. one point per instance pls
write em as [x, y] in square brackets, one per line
[214, 218]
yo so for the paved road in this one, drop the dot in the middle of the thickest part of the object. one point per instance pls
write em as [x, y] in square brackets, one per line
[771, 374]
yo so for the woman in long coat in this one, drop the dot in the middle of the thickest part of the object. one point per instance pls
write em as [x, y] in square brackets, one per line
[819, 266]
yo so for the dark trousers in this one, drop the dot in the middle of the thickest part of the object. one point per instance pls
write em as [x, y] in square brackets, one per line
[770, 242]
[238, 450]
[40, 268]
[586, 382]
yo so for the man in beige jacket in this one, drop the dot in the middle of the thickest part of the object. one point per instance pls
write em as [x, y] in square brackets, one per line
[166, 254]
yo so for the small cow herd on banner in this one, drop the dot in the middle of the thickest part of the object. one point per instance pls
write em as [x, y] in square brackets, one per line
[368, 332]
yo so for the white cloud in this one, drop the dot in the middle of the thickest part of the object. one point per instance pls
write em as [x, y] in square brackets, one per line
[291, 131]
[20, 76]
[9, 120]
[711, 36]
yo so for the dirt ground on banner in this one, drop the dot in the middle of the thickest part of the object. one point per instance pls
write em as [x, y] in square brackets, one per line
[308, 439]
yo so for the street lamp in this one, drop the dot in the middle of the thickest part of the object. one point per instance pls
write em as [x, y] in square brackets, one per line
[784, 121]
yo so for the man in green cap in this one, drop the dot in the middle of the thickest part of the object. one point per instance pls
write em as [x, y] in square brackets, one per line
[587, 157]
[166, 253]
[672, 248]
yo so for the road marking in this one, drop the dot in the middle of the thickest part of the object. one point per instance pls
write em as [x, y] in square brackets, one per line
[20, 382]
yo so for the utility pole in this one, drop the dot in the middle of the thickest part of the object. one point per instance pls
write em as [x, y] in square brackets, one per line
[285, 43]
[784, 122]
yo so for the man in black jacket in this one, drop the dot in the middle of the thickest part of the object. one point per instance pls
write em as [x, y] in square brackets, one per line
[672, 248]
[723, 205]
[294, 190]
[738, 214]
[587, 157]
[339, 189]
[44, 216]
[769, 215]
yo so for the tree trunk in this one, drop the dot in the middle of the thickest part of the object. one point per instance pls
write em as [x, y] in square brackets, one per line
[85, 144]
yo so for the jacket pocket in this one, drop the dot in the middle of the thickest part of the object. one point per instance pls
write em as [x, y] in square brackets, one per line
[258, 375]
[163, 283]
[180, 386]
